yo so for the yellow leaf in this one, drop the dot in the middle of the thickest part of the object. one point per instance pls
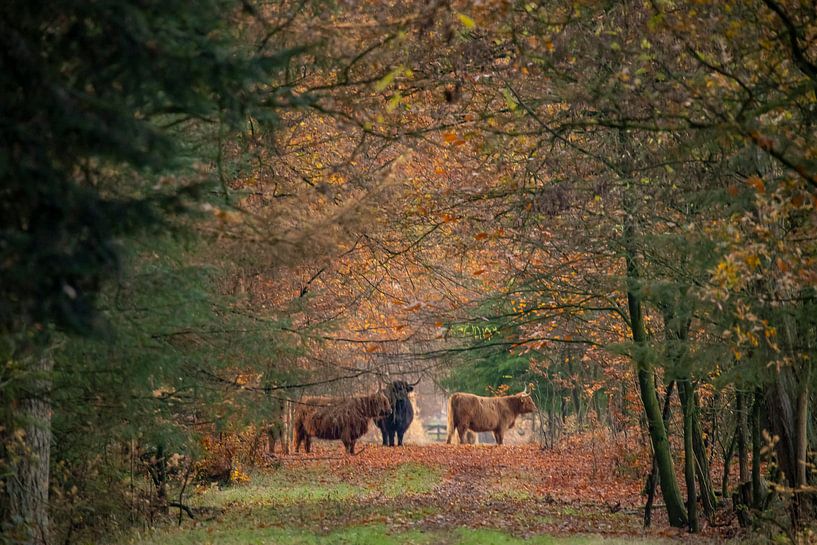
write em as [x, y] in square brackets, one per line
[394, 102]
[386, 80]
[466, 21]
[753, 261]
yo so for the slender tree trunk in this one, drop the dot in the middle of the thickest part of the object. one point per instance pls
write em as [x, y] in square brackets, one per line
[687, 400]
[742, 498]
[713, 413]
[742, 432]
[652, 479]
[646, 383]
[727, 464]
[658, 435]
[757, 489]
[801, 445]
[25, 490]
[707, 493]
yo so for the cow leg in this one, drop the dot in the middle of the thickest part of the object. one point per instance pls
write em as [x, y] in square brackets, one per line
[391, 437]
[384, 433]
[498, 436]
[350, 447]
[308, 444]
[450, 434]
[298, 439]
[461, 430]
[400, 438]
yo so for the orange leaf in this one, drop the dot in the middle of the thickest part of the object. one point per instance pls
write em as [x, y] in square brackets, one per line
[371, 348]
[481, 236]
[479, 272]
[757, 184]
[450, 137]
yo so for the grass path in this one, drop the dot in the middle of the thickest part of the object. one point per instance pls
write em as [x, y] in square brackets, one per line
[437, 494]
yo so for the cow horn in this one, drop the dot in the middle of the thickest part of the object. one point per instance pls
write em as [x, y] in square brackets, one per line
[525, 391]
[417, 382]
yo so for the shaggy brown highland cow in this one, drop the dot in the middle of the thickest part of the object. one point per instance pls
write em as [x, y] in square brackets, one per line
[335, 418]
[476, 413]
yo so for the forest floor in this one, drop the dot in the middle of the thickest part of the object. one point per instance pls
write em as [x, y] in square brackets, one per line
[579, 493]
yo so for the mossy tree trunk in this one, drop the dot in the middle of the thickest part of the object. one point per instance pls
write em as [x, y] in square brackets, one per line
[646, 382]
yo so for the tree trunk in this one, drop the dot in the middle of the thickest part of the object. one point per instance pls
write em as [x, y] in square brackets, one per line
[646, 383]
[707, 493]
[663, 457]
[727, 463]
[743, 496]
[757, 489]
[25, 490]
[652, 479]
[742, 432]
[687, 400]
[801, 445]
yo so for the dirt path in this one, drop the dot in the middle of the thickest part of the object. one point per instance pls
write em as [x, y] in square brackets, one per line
[434, 494]
[522, 490]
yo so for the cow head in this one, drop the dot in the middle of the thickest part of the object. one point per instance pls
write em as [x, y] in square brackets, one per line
[526, 404]
[401, 388]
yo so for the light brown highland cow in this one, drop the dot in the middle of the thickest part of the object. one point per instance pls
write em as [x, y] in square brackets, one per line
[469, 412]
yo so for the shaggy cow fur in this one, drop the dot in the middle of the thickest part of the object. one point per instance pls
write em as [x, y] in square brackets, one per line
[477, 413]
[336, 418]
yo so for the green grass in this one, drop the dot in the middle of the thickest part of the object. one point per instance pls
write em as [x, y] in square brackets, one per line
[469, 536]
[362, 535]
[511, 494]
[375, 534]
[412, 478]
[284, 487]
[313, 485]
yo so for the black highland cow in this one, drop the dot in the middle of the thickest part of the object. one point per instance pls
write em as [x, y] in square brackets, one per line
[399, 420]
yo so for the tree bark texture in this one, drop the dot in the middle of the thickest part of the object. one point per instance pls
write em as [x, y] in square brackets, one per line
[27, 452]
[687, 399]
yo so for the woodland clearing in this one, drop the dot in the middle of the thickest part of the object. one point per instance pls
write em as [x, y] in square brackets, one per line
[469, 494]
